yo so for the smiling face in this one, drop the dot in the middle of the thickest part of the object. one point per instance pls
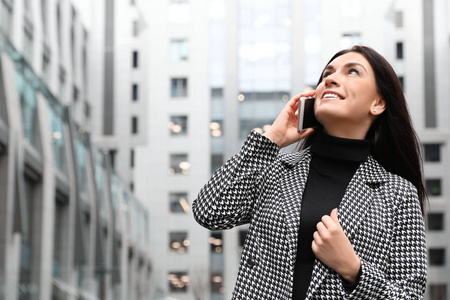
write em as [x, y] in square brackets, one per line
[347, 100]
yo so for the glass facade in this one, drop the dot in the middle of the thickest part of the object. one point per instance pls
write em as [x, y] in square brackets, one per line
[27, 246]
[264, 58]
[6, 7]
[29, 107]
[99, 171]
[58, 139]
[81, 165]
[70, 269]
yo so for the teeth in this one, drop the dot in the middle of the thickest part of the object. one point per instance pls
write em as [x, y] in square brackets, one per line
[331, 96]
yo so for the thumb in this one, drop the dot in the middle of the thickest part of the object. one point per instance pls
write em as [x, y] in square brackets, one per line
[334, 215]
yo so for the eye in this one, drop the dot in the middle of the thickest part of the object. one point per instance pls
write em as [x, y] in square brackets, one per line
[353, 71]
[326, 74]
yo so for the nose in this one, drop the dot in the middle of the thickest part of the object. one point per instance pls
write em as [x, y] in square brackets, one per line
[331, 80]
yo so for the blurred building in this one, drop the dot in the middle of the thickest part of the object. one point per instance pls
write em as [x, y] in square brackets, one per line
[219, 68]
[70, 228]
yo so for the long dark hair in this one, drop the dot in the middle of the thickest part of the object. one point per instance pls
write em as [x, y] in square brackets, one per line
[395, 144]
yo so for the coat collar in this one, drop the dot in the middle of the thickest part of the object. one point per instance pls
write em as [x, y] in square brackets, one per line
[351, 211]
[370, 172]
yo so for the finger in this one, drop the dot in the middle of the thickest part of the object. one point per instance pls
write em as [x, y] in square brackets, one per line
[294, 100]
[334, 215]
[321, 228]
[314, 247]
[328, 222]
[317, 238]
[304, 133]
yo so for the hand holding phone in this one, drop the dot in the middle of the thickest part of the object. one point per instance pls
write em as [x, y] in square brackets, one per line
[306, 116]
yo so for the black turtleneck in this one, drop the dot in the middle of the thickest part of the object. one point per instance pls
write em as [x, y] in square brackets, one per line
[333, 164]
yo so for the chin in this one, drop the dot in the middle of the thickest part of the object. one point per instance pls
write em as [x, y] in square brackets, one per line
[328, 115]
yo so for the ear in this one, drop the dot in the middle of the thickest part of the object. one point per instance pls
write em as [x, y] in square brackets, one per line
[378, 106]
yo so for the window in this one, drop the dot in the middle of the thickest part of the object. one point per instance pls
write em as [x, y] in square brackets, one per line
[399, 50]
[432, 152]
[217, 283]
[132, 158]
[135, 59]
[216, 241]
[350, 39]
[435, 221]
[27, 246]
[399, 19]
[28, 41]
[436, 257]
[216, 128]
[178, 282]
[87, 109]
[179, 50]
[179, 242]
[179, 164]
[216, 162]
[135, 92]
[402, 82]
[178, 202]
[242, 236]
[178, 125]
[179, 11]
[178, 87]
[6, 16]
[135, 28]
[60, 222]
[438, 291]
[134, 125]
[75, 94]
[46, 65]
[44, 15]
[433, 187]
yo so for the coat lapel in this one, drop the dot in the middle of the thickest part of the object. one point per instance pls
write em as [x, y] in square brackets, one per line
[352, 210]
[293, 183]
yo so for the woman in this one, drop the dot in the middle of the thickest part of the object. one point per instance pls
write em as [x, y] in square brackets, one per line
[363, 168]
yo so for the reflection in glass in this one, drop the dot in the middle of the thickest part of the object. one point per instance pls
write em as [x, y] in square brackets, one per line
[29, 109]
[100, 182]
[179, 164]
[178, 87]
[27, 245]
[80, 154]
[179, 50]
[178, 282]
[178, 202]
[178, 125]
[58, 140]
[178, 242]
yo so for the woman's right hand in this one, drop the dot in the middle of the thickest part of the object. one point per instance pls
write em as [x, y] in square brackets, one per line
[284, 130]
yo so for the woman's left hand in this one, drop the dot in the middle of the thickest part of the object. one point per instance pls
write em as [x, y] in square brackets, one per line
[334, 249]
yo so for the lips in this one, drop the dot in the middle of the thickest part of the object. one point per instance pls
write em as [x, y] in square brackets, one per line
[332, 95]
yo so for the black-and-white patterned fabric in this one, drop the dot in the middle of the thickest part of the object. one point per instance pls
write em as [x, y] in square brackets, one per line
[380, 213]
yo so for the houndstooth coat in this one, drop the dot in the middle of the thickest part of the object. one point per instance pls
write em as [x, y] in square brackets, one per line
[380, 214]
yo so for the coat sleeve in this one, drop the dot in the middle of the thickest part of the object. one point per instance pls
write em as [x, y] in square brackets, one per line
[406, 275]
[228, 198]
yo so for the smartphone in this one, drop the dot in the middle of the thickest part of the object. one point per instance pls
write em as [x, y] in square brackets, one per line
[306, 116]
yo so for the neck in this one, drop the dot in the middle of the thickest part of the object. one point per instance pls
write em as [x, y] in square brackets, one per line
[352, 132]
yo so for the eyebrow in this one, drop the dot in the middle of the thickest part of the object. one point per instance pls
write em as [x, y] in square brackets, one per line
[347, 66]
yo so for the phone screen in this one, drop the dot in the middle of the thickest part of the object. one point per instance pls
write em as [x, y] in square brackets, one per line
[306, 116]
